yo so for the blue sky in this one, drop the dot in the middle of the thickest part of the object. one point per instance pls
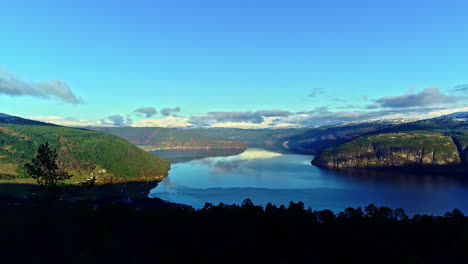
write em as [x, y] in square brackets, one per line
[233, 57]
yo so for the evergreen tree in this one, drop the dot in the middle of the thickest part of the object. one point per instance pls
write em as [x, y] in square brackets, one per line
[44, 168]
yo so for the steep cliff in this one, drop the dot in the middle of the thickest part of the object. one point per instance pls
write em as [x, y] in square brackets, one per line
[460, 138]
[393, 149]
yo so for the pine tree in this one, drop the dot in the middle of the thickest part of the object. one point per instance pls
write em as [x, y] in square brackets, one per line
[44, 168]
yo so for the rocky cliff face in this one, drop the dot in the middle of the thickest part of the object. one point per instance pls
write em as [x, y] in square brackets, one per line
[395, 149]
[461, 140]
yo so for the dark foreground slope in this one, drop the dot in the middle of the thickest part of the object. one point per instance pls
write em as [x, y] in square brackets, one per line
[78, 233]
[154, 138]
[435, 142]
[83, 153]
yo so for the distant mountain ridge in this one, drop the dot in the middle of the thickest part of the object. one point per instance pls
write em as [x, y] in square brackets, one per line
[270, 139]
[9, 119]
[407, 117]
[314, 141]
[459, 116]
[155, 138]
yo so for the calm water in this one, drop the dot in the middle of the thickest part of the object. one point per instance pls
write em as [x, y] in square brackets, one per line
[265, 176]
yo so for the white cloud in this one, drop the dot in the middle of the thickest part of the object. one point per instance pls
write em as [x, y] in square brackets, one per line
[167, 111]
[146, 111]
[268, 122]
[429, 97]
[170, 121]
[70, 122]
[13, 86]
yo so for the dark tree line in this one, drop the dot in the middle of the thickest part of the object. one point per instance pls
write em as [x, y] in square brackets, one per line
[68, 232]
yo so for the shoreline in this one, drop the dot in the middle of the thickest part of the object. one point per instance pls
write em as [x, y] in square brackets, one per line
[438, 170]
[189, 148]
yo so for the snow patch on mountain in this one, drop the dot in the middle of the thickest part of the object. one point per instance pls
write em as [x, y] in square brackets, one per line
[458, 116]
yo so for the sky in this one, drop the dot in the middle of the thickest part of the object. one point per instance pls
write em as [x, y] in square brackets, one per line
[242, 63]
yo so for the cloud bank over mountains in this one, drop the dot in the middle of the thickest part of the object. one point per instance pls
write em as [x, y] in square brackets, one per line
[116, 120]
[56, 89]
[427, 103]
[429, 97]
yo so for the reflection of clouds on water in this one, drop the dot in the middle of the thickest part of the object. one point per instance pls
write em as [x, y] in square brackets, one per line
[219, 165]
[265, 176]
[231, 163]
[260, 168]
[403, 179]
[168, 183]
[225, 166]
[257, 154]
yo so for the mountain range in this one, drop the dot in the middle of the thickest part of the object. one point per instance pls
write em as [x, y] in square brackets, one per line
[156, 138]
[108, 152]
[8, 119]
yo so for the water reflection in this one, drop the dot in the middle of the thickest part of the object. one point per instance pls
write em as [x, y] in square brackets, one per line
[266, 176]
[184, 155]
[231, 163]
[403, 178]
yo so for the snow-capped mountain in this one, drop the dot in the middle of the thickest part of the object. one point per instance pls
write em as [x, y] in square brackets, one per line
[458, 116]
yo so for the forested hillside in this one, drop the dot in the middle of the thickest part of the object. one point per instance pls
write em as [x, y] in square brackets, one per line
[83, 153]
[271, 139]
[437, 141]
[315, 140]
[392, 149]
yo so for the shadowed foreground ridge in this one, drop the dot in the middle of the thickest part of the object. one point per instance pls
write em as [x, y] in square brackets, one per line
[133, 233]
